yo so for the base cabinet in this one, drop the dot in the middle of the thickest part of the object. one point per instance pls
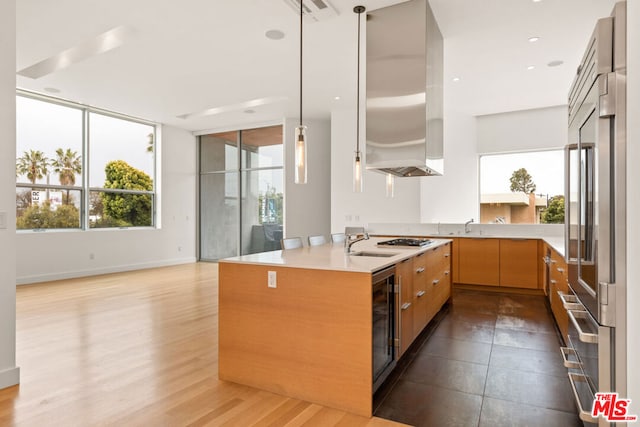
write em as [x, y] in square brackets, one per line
[558, 284]
[497, 262]
[519, 263]
[479, 261]
[424, 286]
[404, 279]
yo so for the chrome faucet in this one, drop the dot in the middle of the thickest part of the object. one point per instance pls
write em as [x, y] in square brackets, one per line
[350, 240]
[466, 226]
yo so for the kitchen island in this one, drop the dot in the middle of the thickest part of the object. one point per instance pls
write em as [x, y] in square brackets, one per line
[299, 322]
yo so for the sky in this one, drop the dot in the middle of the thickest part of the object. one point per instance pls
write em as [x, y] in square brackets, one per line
[545, 167]
[46, 127]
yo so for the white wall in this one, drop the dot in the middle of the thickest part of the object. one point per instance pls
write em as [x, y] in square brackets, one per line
[308, 207]
[52, 255]
[372, 205]
[453, 197]
[633, 203]
[9, 373]
[538, 129]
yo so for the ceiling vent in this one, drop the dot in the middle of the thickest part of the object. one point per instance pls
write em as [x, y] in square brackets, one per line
[315, 10]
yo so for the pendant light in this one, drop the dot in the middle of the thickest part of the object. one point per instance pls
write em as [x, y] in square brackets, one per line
[357, 164]
[390, 185]
[301, 130]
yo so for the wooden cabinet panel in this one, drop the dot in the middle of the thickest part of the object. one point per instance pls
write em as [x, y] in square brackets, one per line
[404, 273]
[559, 312]
[519, 263]
[479, 261]
[455, 256]
[558, 282]
[420, 277]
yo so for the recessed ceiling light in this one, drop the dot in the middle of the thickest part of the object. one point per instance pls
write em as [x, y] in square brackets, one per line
[274, 35]
[555, 63]
[51, 90]
[533, 39]
[456, 79]
[531, 67]
[536, 1]
[337, 98]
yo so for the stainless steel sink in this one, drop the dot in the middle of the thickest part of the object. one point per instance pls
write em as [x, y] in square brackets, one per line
[373, 254]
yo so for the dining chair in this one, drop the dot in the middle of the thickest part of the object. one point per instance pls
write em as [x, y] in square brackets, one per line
[338, 237]
[317, 240]
[291, 243]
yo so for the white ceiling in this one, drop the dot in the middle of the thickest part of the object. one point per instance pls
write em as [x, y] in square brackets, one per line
[188, 56]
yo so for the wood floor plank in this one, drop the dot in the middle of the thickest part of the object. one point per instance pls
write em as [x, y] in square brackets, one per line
[137, 349]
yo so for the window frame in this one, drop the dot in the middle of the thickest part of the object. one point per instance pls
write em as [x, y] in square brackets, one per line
[84, 189]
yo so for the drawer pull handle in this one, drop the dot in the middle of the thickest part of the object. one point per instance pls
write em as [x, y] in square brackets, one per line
[584, 415]
[561, 270]
[446, 255]
[566, 352]
[582, 335]
[446, 272]
[435, 282]
[405, 306]
[570, 302]
[419, 294]
[420, 270]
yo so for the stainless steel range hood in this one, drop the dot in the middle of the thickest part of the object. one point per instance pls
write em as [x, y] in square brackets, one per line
[404, 91]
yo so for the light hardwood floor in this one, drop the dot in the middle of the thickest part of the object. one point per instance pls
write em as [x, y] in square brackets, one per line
[137, 349]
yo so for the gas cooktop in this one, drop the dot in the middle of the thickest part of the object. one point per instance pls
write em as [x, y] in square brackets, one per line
[405, 242]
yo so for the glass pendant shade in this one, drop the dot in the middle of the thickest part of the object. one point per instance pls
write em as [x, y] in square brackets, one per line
[301, 155]
[357, 173]
[390, 185]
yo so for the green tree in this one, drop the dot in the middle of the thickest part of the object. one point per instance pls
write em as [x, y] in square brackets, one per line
[127, 209]
[150, 143]
[522, 181]
[34, 217]
[554, 214]
[33, 164]
[67, 165]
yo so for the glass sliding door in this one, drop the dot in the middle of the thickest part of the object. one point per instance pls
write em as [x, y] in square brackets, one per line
[241, 192]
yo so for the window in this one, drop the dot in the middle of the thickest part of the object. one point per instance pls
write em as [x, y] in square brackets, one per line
[60, 187]
[522, 188]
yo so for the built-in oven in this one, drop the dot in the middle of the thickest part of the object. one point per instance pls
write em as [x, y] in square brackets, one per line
[384, 324]
[595, 218]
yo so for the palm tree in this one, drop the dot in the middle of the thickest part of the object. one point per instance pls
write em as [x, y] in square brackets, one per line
[33, 164]
[67, 165]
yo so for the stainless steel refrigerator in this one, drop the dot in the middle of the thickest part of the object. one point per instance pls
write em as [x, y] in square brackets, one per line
[595, 218]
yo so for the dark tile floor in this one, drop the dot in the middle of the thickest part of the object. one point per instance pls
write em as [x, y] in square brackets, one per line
[488, 360]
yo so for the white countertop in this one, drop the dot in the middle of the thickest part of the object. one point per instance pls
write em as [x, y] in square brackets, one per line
[331, 256]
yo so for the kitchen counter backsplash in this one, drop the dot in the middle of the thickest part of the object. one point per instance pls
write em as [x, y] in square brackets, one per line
[475, 230]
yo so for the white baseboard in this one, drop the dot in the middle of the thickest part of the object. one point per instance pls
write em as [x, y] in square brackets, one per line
[9, 377]
[25, 280]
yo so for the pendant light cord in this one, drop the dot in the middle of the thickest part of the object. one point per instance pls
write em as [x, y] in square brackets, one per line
[358, 10]
[301, 13]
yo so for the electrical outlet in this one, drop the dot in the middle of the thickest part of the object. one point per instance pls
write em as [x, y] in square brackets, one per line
[91, 256]
[271, 279]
